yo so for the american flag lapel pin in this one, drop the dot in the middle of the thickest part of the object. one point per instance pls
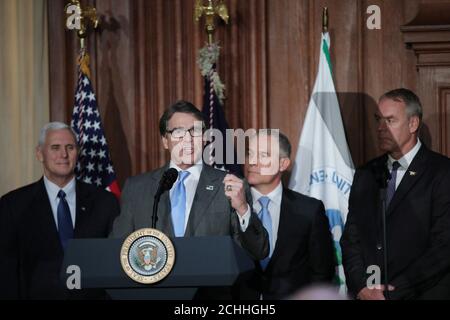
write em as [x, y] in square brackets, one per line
[210, 188]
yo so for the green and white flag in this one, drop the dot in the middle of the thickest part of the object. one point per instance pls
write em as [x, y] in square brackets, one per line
[323, 166]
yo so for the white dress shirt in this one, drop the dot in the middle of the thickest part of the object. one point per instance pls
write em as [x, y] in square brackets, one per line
[404, 162]
[274, 209]
[52, 192]
[191, 183]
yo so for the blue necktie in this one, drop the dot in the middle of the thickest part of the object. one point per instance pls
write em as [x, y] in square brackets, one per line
[391, 183]
[266, 219]
[178, 203]
[65, 225]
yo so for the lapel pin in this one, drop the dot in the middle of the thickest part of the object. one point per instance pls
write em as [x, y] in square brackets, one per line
[412, 173]
[83, 208]
[210, 188]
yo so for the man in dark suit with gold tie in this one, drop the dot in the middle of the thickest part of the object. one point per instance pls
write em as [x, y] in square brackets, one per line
[38, 220]
[417, 211]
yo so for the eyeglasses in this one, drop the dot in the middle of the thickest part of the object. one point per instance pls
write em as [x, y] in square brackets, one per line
[179, 133]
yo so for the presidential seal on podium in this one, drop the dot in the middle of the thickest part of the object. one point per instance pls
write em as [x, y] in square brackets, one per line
[147, 256]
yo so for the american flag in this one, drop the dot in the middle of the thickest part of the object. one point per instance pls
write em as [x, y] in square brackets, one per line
[94, 163]
[213, 107]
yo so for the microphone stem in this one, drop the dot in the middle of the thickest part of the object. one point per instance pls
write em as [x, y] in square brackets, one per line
[385, 247]
[155, 211]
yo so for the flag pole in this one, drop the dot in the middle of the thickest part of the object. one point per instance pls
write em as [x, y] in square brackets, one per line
[325, 20]
[208, 57]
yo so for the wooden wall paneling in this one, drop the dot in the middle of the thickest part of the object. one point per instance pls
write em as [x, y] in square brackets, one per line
[444, 104]
[434, 89]
[62, 66]
[289, 61]
[256, 80]
[156, 45]
[410, 74]
[428, 35]
[242, 64]
[388, 63]
[145, 93]
[374, 67]
[229, 64]
[114, 81]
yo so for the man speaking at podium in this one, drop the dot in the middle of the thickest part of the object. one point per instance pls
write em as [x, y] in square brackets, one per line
[202, 202]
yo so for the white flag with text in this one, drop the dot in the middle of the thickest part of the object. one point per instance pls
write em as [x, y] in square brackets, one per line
[323, 166]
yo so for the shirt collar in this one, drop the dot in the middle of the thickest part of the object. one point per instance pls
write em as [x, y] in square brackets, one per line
[406, 160]
[53, 189]
[194, 170]
[274, 196]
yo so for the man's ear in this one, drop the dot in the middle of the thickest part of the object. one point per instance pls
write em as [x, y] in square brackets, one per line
[39, 154]
[165, 142]
[284, 164]
[414, 124]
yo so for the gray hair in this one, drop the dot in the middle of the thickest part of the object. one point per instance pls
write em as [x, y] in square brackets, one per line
[283, 141]
[54, 126]
[409, 98]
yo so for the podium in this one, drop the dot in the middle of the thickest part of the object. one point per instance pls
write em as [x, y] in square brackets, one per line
[199, 262]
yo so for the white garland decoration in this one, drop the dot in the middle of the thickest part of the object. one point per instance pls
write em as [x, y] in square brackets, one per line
[207, 57]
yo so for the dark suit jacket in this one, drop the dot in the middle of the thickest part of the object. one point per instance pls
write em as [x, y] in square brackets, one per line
[211, 213]
[304, 252]
[418, 229]
[30, 250]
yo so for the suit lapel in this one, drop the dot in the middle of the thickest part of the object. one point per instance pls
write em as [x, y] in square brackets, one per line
[202, 199]
[165, 216]
[164, 223]
[283, 235]
[83, 209]
[43, 220]
[411, 177]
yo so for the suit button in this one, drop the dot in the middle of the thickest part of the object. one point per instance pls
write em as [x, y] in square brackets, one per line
[379, 247]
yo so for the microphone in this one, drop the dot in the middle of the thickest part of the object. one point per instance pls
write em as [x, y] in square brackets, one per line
[167, 180]
[381, 172]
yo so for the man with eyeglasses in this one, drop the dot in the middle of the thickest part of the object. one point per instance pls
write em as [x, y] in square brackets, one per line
[202, 202]
[417, 211]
